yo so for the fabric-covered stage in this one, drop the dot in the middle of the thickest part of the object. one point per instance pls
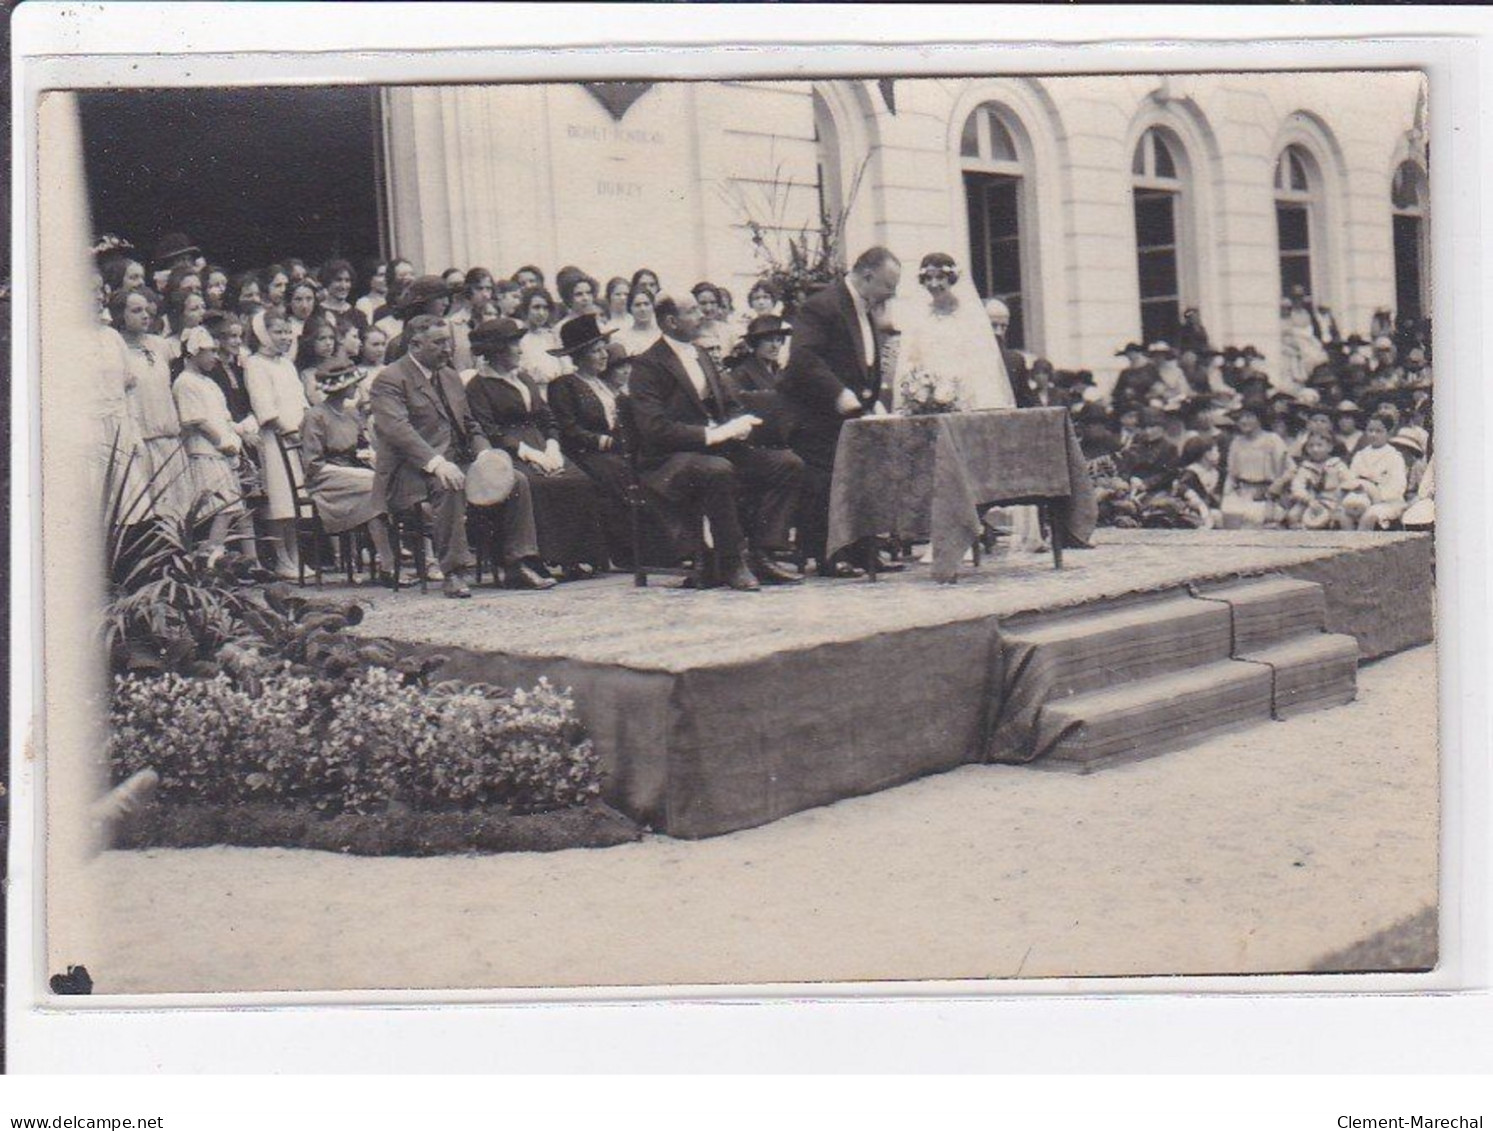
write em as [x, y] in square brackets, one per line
[716, 710]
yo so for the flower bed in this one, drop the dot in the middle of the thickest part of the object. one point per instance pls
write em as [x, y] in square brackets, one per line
[264, 721]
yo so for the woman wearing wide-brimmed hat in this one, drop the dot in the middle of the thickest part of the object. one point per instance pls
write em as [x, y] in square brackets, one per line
[585, 404]
[336, 455]
[507, 402]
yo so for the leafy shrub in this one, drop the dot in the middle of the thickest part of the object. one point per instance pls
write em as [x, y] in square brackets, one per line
[384, 740]
[188, 730]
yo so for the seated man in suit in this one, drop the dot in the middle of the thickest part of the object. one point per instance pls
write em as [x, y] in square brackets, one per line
[425, 437]
[834, 374]
[695, 450]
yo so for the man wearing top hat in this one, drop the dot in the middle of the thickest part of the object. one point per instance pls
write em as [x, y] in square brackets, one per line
[695, 448]
[426, 442]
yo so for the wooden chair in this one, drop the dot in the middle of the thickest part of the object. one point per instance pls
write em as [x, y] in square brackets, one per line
[349, 543]
[305, 509]
[641, 505]
[410, 524]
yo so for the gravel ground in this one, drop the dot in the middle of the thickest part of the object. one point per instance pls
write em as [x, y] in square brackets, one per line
[1265, 850]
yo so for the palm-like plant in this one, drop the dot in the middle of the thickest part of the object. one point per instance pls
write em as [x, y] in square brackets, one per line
[172, 600]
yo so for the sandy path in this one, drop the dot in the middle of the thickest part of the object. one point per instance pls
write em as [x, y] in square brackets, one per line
[1258, 851]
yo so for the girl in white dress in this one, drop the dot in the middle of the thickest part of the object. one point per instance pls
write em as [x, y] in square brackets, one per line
[148, 398]
[212, 443]
[644, 330]
[279, 401]
[537, 358]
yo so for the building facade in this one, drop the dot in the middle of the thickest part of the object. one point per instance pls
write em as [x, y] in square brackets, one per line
[1098, 207]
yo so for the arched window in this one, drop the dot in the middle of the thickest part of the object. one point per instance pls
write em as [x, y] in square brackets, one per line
[827, 155]
[1407, 198]
[993, 192]
[1158, 175]
[1297, 195]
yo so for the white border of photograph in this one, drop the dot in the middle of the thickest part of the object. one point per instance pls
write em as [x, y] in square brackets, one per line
[1116, 1024]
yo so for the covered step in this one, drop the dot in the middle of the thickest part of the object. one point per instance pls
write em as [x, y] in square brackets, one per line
[1268, 610]
[1050, 658]
[1152, 716]
[1311, 672]
[1095, 649]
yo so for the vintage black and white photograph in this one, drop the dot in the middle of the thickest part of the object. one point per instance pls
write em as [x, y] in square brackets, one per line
[598, 534]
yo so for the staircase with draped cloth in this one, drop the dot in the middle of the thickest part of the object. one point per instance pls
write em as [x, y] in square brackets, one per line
[1101, 685]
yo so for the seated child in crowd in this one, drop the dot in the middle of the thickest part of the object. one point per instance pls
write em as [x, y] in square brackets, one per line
[1259, 471]
[1198, 485]
[1376, 495]
[1317, 487]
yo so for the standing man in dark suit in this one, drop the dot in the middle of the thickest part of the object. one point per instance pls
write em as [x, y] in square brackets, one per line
[425, 438]
[999, 315]
[695, 450]
[833, 375]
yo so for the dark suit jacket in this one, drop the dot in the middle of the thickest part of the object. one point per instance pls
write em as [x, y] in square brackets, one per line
[750, 375]
[505, 420]
[756, 386]
[411, 428]
[1021, 380]
[579, 415]
[1056, 398]
[827, 357]
[670, 415]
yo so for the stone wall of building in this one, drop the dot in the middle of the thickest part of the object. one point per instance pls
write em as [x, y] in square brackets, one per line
[504, 175]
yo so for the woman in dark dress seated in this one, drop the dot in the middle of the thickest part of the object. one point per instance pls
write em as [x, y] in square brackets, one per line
[509, 406]
[584, 405]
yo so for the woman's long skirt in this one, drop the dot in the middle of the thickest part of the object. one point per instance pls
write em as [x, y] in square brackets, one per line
[567, 515]
[344, 497]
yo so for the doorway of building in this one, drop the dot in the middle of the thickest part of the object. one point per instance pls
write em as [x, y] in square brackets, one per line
[252, 175]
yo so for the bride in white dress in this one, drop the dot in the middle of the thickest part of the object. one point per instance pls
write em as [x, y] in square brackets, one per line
[947, 336]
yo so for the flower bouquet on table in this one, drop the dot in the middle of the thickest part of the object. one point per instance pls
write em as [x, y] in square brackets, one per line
[921, 393]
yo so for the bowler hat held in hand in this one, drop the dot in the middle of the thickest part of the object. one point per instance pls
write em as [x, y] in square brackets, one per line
[490, 479]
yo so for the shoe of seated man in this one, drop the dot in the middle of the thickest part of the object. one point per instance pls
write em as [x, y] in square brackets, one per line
[740, 577]
[839, 568]
[456, 586]
[771, 572]
[526, 575]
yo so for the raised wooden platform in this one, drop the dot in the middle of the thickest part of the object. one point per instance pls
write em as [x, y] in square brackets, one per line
[717, 711]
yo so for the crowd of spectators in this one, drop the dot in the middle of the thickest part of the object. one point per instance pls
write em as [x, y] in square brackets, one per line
[1196, 435]
[244, 386]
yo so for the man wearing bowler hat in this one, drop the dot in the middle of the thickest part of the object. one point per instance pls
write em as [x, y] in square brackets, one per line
[696, 449]
[426, 440]
[429, 295]
[172, 251]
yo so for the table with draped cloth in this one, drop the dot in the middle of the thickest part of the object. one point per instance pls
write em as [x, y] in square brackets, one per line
[917, 476]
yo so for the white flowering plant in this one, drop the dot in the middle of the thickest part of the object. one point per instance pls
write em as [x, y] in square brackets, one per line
[378, 741]
[921, 393]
